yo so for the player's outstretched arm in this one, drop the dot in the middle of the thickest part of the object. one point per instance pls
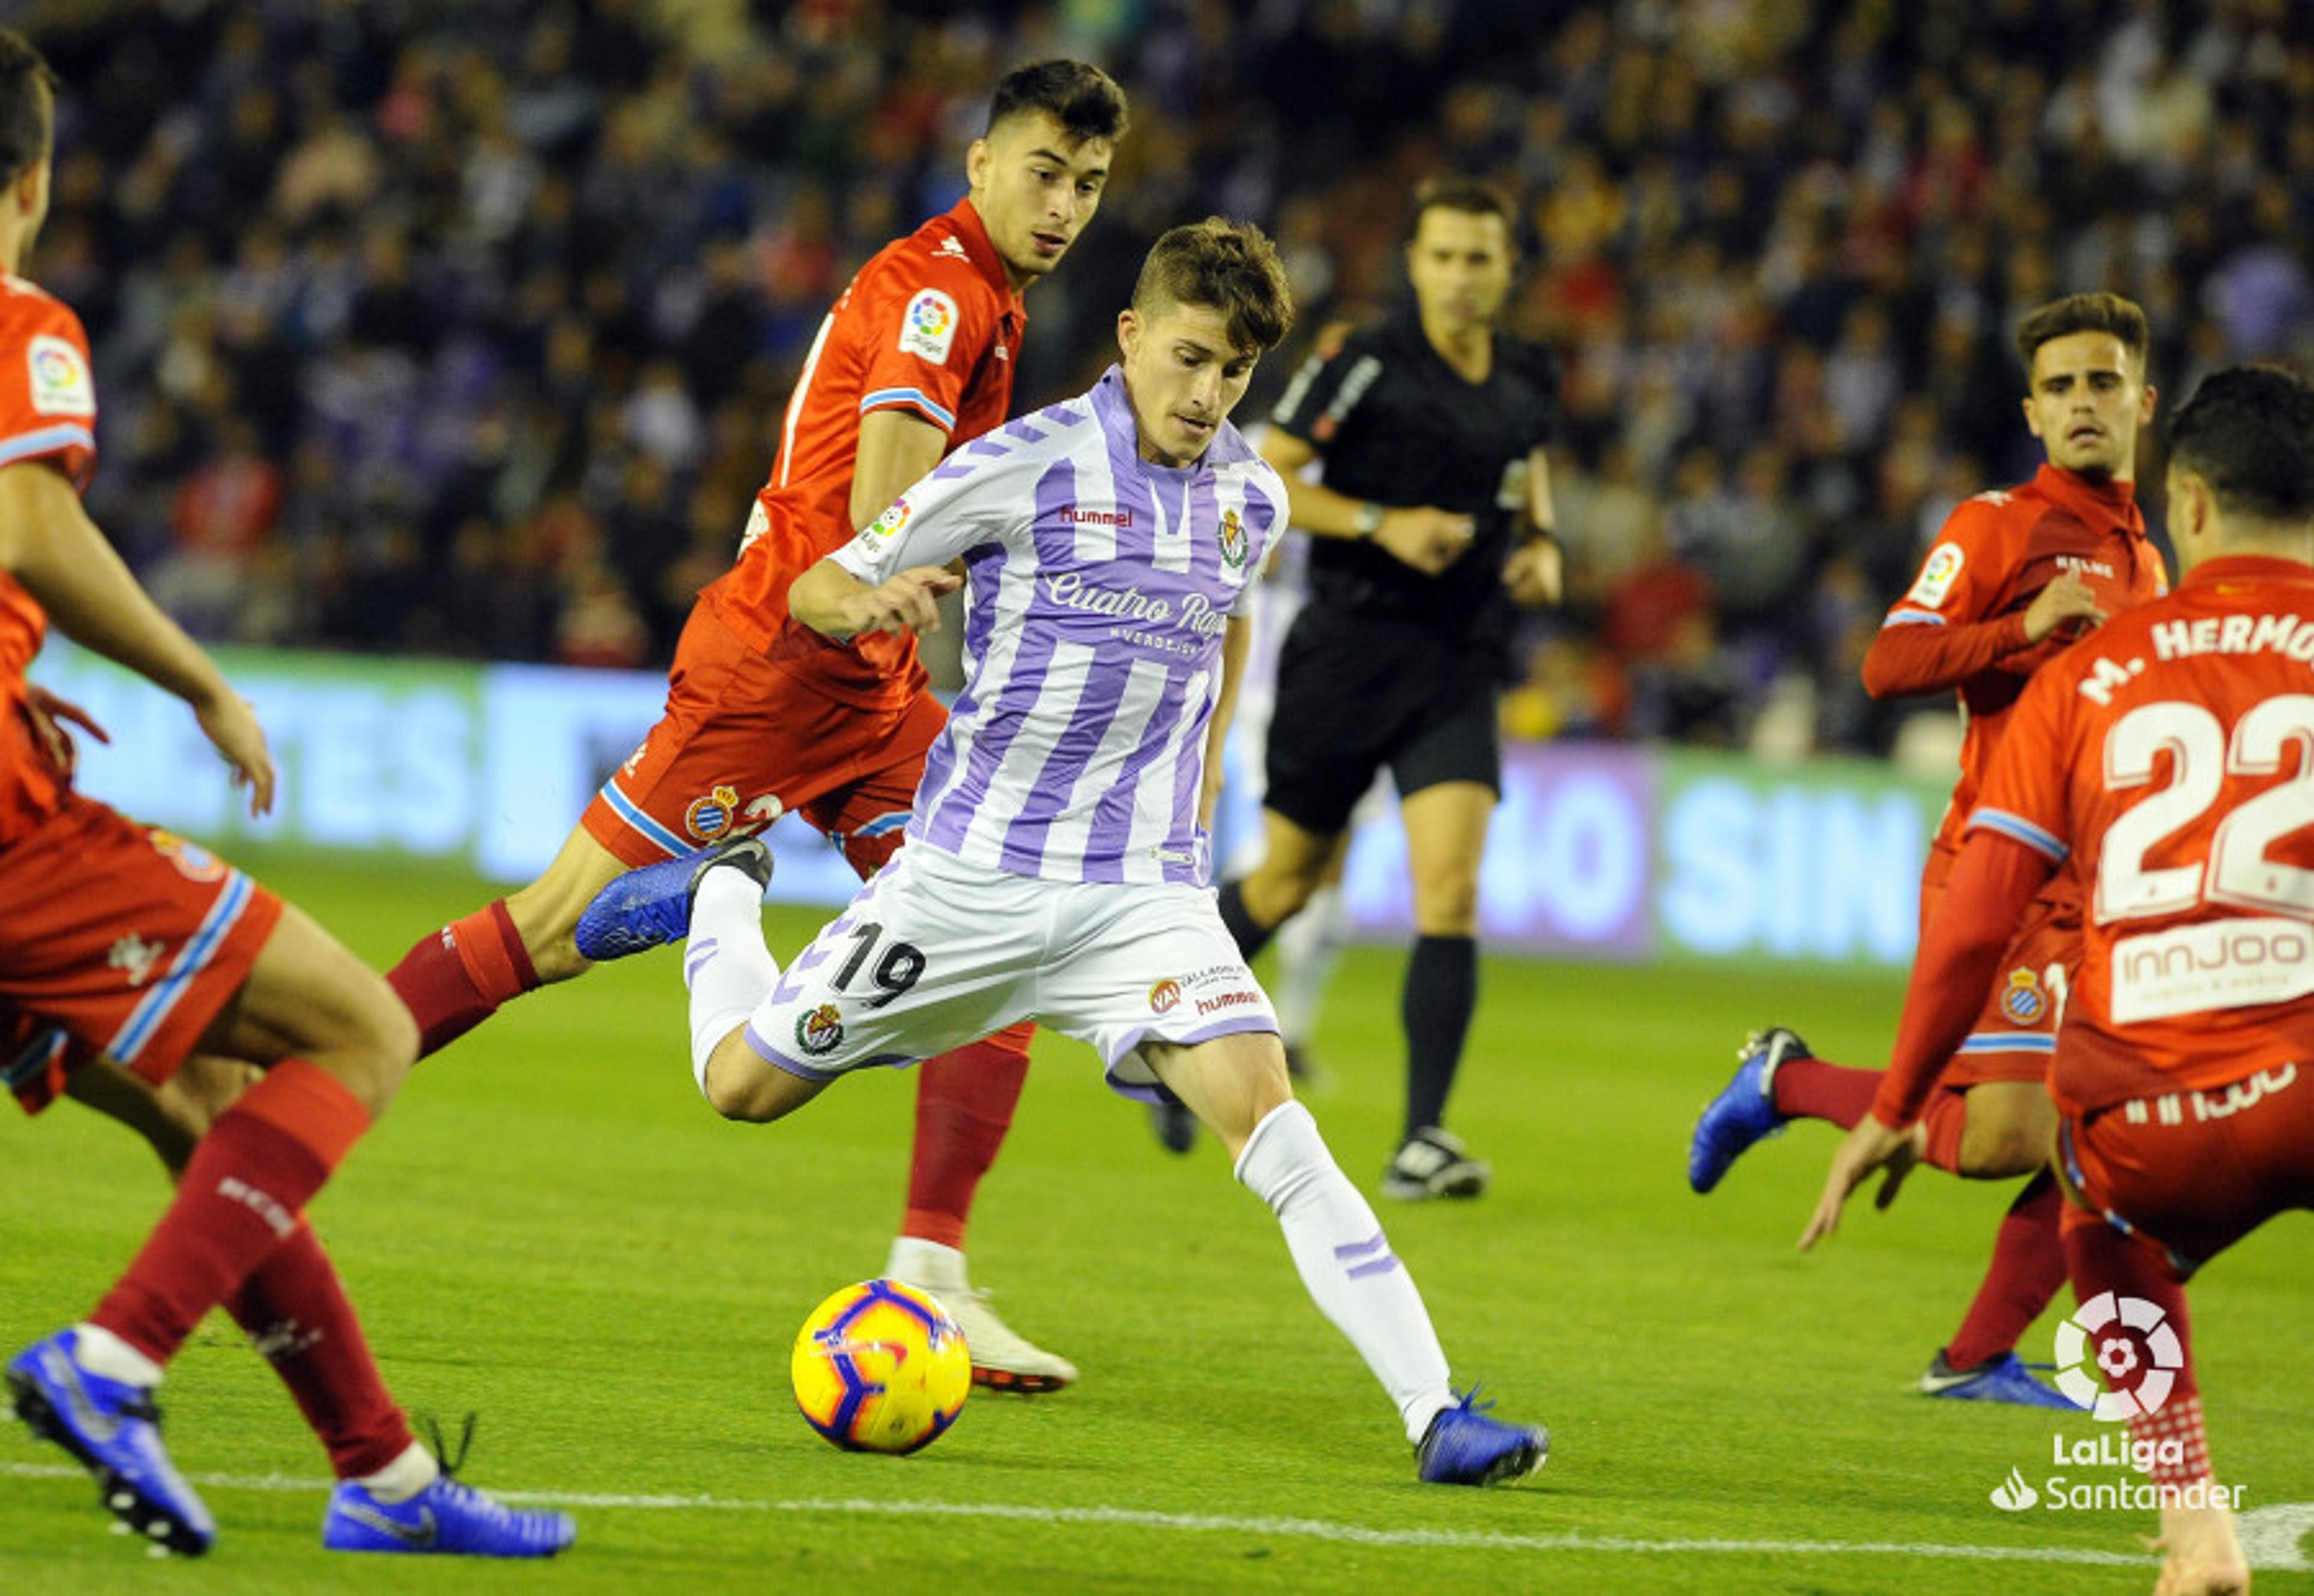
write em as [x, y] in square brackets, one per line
[840, 606]
[1959, 952]
[1236, 647]
[1429, 540]
[897, 449]
[56, 553]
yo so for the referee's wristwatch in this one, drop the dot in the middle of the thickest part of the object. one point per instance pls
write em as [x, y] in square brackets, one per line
[1369, 521]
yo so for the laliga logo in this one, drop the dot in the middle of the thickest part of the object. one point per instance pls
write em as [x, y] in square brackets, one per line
[2091, 1332]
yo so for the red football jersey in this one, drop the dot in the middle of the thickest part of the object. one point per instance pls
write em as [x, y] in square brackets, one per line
[931, 325]
[47, 413]
[1994, 555]
[2168, 761]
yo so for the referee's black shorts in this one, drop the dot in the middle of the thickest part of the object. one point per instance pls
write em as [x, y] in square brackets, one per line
[1356, 695]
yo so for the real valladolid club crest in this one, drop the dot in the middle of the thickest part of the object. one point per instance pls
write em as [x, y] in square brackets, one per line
[1233, 538]
[819, 1032]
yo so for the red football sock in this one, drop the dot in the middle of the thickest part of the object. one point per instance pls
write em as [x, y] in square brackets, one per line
[1811, 1089]
[453, 979]
[2029, 1266]
[2100, 1258]
[296, 1315]
[964, 1105]
[239, 1200]
[1943, 1121]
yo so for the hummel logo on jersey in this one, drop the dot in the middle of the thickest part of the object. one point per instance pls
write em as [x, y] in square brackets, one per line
[951, 248]
[419, 1537]
[1077, 517]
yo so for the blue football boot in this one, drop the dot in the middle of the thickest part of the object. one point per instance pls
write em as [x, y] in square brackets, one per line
[2005, 1378]
[1744, 1111]
[446, 1517]
[1466, 1447]
[651, 907]
[114, 1429]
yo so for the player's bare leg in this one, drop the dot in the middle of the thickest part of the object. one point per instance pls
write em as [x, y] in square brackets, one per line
[1237, 1086]
[1445, 840]
[2005, 1129]
[457, 975]
[546, 911]
[1294, 863]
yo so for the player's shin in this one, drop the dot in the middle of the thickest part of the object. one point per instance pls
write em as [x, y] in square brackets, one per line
[725, 964]
[296, 1317]
[1347, 1263]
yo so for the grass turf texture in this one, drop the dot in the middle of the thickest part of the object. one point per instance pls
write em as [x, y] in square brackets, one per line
[550, 1228]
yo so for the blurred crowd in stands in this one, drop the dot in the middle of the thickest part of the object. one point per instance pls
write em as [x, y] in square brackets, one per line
[463, 326]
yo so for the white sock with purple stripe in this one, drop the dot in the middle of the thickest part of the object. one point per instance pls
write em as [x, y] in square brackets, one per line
[1347, 1263]
[724, 963]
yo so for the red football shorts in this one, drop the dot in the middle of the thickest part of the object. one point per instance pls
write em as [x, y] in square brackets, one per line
[128, 939]
[2016, 1032]
[2196, 1171]
[742, 743]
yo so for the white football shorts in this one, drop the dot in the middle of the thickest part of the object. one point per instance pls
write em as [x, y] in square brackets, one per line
[933, 953]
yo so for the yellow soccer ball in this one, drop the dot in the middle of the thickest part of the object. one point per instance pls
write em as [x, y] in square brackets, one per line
[880, 1367]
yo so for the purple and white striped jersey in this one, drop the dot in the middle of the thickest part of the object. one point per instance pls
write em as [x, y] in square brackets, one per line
[1098, 590]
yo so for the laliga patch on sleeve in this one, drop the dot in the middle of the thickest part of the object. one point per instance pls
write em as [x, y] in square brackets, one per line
[61, 385]
[1936, 577]
[889, 524]
[928, 328]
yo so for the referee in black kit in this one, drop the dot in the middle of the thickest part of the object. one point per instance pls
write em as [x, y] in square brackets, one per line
[1433, 521]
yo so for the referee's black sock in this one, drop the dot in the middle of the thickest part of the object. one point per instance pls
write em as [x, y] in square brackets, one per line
[1442, 992]
[1250, 936]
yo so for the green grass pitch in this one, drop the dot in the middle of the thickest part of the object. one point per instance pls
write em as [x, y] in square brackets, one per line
[552, 1230]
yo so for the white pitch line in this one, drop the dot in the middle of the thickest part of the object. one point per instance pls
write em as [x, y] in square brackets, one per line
[1141, 1519]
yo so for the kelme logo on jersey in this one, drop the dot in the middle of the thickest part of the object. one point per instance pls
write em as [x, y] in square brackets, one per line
[894, 517]
[819, 1032]
[928, 326]
[1164, 995]
[2023, 1001]
[1234, 546]
[709, 818]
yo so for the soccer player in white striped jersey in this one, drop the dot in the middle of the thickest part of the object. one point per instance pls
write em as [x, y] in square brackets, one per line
[1057, 864]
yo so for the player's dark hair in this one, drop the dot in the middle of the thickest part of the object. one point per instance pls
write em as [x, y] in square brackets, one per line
[1230, 266]
[1471, 195]
[2084, 312]
[27, 97]
[1084, 99]
[2249, 432]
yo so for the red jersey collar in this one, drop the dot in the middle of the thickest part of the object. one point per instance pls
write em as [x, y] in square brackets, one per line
[2248, 568]
[983, 251]
[2110, 502]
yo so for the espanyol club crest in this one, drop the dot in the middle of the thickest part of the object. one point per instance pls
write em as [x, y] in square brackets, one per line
[1234, 547]
[710, 818]
[193, 861]
[2023, 1001]
[819, 1032]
